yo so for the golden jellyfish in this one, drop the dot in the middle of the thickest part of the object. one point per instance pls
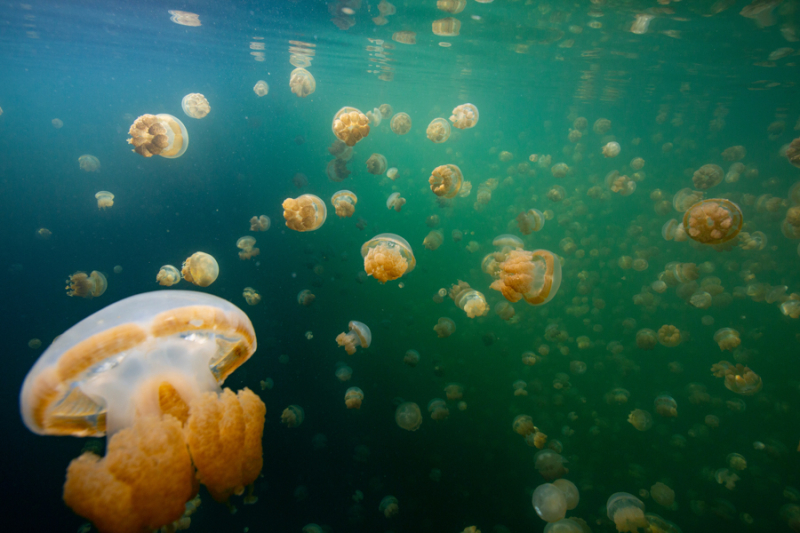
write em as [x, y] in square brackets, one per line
[302, 82]
[451, 6]
[617, 396]
[637, 163]
[387, 257]
[344, 203]
[184, 18]
[389, 506]
[400, 123]
[43, 234]
[707, 176]
[359, 335]
[508, 241]
[438, 409]
[392, 174]
[247, 246]
[350, 125]
[57, 123]
[260, 223]
[438, 130]
[666, 406]
[34, 344]
[737, 462]
[626, 511]
[550, 464]
[662, 495]
[713, 221]
[251, 296]
[444, 327]
[408, 416]
[611, 149]
[723, 476]
[261, 88]
[386, 110]
[376, 164]
[446, 180]
[374, 117]
[161, 134]
[549, 502]
[89, 163]
[304, 213]
[727, 339]
[200, 269]
[433, 240]
[472, 302]
[353, 398]
[532, 276]
[168, 276]
[530, 221]
[146, 371]
[640, 419]
[87, 286]
[601, 126]
[411, 358]
[686, 198]
[669, 335]
[195, 105]
[104, 200]
[464, 116]
[344, 372]
[559, 170]
[446, 27]
[395, 201]
[793, 152]
[305, 297]
[293, 416]
[404, 37]
[738, 378]
[523, 425]
[519, 387]
[734, 153]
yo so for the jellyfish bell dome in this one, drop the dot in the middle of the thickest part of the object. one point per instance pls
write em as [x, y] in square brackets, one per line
[161, 134]
[120, 362]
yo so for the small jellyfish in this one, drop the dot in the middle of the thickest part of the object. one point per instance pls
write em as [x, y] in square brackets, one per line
[550, 464]
[400, 123]
[201, 269]
[168, 276]
[376, 164]
[433, 240]
[89, 163]
[739, 378]
[43, 234]
[104, 200]
[713, 221]
[337, 170]
[611, 149]
[669, 335]
[509, 241]
[504, 310]
[161, 134]
[344, 203]
[293, 416]
[299, 180]
[472, 302]
[392, 174]
[549, 502]
[438, 409]
[601, 126]
[737, 462]
[395, 201]
[386, 110]
[304, 213]
[640, 419]
[727, 339]
[445, 327]
[723, 476]
[519, 387]
[360, 335]
[559, 170]
[389, 506]
[87, 286]
[438, 130]
[666, 406]
[662, 495]
[626, 511]
[267, 384]
[411, 358]
[344, 372]
[302, 82]
[305, 297]
[261, 88]
[446, 27]
[454, 391]
[451, 6]
[707, 176]
[353, 398]
[523, 425]
[793, 152]
[34, 344]
[247, 246]
[530, 221]
[184, 18]
[350, 125]
[387, 257]
[57, 123]
[261, 223]
[375, 117]
[464, 116]
[404, 37]
[195, 105]
[534, 276]
[408, 416]
[446, 180]
[251, 295]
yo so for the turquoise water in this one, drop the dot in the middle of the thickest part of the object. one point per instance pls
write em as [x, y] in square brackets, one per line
[700, 79]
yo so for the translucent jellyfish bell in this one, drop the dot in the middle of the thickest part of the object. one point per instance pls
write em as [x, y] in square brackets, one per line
[302, 82]
[99, 374]
[161, 134]
[168, 275]
[360, 335]
[105, 199]
[344, 203]
[261, 88]
[400, 123]
[626, 511]
[408, 416]
[195, 105]
[549, 502]
[446, 180]
[713, 221]
[438, 130]
[353, 398]
[387, 257]
[304, 213]
[465, 116]
[201, 269]
[87, 285]
[534, 276]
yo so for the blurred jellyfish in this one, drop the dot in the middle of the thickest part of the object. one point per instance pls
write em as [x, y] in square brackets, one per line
[104, 200]
[454, 391]
[359, 335]
[433, 240]
[663, 495]
[389, 506]
[611, 149]
[251, 295]
[247, 246]
[57, 123]
[723, 476]
[519, 388]
[89, 163]
[549, 502]
[640, 419]
[344, 203]
[445, 327]
[301, 82]
[304, 213]
[666, 406]
[727, 339]
[200, 269]
[376, 164]
[261, 88]
[438, 409]
[713, 221]
[261, 223]
[738, 378]
[387, 257]
[464, 116]
[395, 201]
[626, 511]
[168, 276]
[400, 123]
[707, 176]
[293, 416]
[344, 372]
[305, 297]
[669, 335]
[550, 464]
[408, 416]
[438, 130]
[87, 285]
[530, 221]
[472, 302]
[411, 358]
[43, 234]
[504, 310]
[195, 105]
[353, 398]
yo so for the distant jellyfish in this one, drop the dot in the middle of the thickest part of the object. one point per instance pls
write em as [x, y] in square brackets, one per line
[374, 117]
[445, 327]
[411, 358]
[713, 221]
[168, 276]
[626, 511]
[344, 203]
[304, 213]
[601, 126]
[302, 82]
[530, 221]
[438, 130]
[86, 286]
[260, 223]
[433, 240]
[519, 387]
[337, 170]
[451, 6]
[408, 416]
[195, 105]
[446, 180]
[34, 344]
[662, 495]
[640, 419]
[350, 125]
[43, 234]
[251, 295]
[669, 335]
[305, 297]
[550, 464]
[184, 18]
[464, 116]
[299, 180]
[247, 246]
[344, 372]
[738, 378]
[389, 506]
[727, 339]
[532, 276]
[737, 462]
[666, 406]
[446, 27]
[438, 409]
[392, 174]
[293, 416]
[523, 425]
[472, 302]
[162, 135]
[353, 398]
[89, 163]
[267, 384]
[395, 201]
[454, 391]
[707, 176]
[404, 37]
[559, 170]
[504, 310]
[387, 257]
[793, 152]
[104, 200]
[261, 88]
[400, 123]
[201, 269]
[565, 525]
[376, 164]
[611, 149]
[57, 123]
[359, 335]
[386, 110]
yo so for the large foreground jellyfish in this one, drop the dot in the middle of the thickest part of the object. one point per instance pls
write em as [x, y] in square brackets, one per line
[162, 135]
[147, 372]
[464, 116]
[445, 180]
[304, 213]
[350, 125]
[195, 105]
[713, 221]
[302, 82]
[87, 285]
[534, 276]
[387, 257]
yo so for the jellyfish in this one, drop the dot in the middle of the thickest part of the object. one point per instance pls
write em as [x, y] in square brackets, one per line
[200, 269]
[727, 339]
[550, 464]
[261, 88]
[601, 126]
[387, 257]
[386, 110]
[669, 335]
[504, 310]
[57, 123]
[507, 241]
[261, 223]
[445, 180]
[737, 462]
[43, 234]
[34, 344]
[168, 276]
[611, 149]
[739, 378]
[104, 200]
[408, 416]
[251, 295]
[376, 164]
[411, 358]
[359, 335]
[344, 372]
[565, 525]
[300, 180]
[161, 134]
[549, 502]
[454, 391]
[446, 27]
[438, 409]
[353, 398]
[523, 425]
[195, 105]
[534, 276]
[350, 125]
[337, 170]
[293, 416]
[389, 506]
[344, 203]
[530, 221]
[86, 286]
[640, 419]
[559, 170]
[666, 406]
[374, 117]
[305, 297]
[438, 130]
[570, 492]
[392, 174]
[146, 372]
[400, 123]
[793, 152]
[304, 213]
[184, 18]
[89, 163]
[247, 246]
[433, 240]
[472, 302]
[707, 176]
[302, 82]
[713, 221]
[445, 327]
[626, 511]
[663, 495]
[464, 116]
[395, 201]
